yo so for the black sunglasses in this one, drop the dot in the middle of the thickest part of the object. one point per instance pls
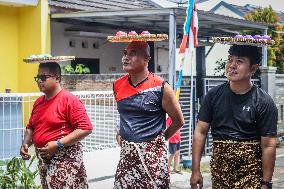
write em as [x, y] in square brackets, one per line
[43, 78]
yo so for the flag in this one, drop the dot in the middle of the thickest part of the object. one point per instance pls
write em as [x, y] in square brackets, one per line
[193, 41]
[190, 28]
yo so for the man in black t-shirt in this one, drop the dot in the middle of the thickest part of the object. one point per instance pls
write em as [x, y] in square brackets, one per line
[243, 122]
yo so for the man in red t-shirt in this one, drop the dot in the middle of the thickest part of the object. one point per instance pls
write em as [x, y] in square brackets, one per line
[57, 124]
[174, 148]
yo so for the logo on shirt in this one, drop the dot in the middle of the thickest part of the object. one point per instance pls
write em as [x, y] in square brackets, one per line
[247, 108]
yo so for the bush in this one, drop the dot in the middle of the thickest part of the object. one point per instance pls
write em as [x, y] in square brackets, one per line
[80, 69]
[18, 174]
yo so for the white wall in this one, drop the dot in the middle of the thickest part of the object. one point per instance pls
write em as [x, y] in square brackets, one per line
[219, 51]
[109, 53]
[162, 56]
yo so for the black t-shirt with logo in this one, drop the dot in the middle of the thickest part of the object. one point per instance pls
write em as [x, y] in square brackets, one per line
[239, 117]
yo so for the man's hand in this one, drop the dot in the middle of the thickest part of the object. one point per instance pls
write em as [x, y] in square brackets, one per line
[24, 152]
[264, 187]
[196, 180]
[49, 150]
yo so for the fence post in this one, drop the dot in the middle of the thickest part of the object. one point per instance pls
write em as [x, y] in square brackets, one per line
[268, 75]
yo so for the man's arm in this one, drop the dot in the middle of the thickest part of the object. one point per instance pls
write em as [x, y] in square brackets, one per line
[74, 137]
[199, 137]
[268, 147]
[172, 108]
[51, 147]
[24, 151]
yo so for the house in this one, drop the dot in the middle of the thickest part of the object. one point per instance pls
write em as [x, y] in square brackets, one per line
[208, 5]
[40, 27]
[239, 11]
[24, 31]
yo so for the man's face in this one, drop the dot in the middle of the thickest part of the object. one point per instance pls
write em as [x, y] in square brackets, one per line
[134, 58]
[239, 68]
[46, 81]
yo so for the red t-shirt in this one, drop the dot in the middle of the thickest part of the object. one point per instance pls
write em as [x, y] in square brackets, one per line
[57, 117]
[177, 136]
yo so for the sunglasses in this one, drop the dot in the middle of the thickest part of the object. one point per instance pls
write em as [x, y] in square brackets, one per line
[42, 78]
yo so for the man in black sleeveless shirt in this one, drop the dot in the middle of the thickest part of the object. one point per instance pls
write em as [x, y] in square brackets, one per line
[243, 122]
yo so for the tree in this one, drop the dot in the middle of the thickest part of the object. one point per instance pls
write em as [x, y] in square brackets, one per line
[219, 70]
[275, 30]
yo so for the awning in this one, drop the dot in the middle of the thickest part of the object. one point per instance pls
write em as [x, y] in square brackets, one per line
[162, 20]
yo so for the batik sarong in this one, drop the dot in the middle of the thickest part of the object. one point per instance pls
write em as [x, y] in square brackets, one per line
[65, 170]
[143, 165]
[236, 165]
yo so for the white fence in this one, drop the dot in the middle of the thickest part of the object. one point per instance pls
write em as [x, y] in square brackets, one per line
[15, 109]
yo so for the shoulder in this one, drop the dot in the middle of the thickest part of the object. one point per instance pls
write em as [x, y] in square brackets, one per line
[121, 80]
[68, 97]
[67, 94]
[217, 90]
[156, 79]
[263, 97]
[39, 100]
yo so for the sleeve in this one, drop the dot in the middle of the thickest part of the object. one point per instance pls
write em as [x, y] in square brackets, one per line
[78, 116]
[267, 118]
[30, 125]
[205, 111]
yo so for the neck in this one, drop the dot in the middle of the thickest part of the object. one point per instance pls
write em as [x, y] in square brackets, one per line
[138, 77]
[240, 87]
[49, 95]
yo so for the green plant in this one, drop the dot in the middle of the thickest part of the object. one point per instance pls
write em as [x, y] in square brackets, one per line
[18, 174]
[219, 70]
[82, 69]
[68, 69]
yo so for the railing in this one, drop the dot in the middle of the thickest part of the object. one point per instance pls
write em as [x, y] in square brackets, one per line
[15, 109]
[187, 129]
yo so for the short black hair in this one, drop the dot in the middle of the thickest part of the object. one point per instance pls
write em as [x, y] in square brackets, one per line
[252, 52]
[53, 67]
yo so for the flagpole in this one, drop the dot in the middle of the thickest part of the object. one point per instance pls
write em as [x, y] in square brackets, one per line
[191, 105]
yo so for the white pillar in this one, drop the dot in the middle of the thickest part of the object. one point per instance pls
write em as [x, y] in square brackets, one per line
[264, 52]
[172, 49]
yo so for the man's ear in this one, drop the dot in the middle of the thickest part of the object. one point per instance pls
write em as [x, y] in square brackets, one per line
[57, 78]
[254, 68]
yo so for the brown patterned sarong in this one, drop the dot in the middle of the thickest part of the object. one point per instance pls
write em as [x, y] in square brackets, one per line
[65, 170]
[236, 165]
[143, 165]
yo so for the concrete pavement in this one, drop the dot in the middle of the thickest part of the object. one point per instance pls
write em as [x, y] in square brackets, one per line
[101, 167]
